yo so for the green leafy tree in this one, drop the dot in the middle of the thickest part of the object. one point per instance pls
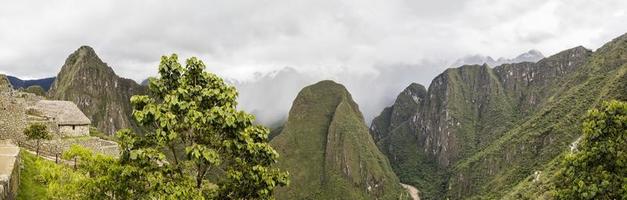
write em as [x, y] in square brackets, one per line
[193, 112]
[597, 168]
[196, 130]
[38, 132]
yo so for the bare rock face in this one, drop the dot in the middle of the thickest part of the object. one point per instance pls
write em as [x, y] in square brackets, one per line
[405, 106]
[103, 96]
[5, 85]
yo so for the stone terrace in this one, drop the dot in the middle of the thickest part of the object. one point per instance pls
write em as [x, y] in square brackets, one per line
[9, 169]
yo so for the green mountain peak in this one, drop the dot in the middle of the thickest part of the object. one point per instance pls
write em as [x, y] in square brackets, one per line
[328, 152]
[95, 88]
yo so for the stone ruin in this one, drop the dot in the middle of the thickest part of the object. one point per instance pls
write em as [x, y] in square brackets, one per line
[61, 117]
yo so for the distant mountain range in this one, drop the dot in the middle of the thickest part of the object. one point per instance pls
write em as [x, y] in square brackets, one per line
[529, 56]
[17, 83]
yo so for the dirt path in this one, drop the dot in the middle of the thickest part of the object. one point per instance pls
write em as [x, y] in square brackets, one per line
[412, 191]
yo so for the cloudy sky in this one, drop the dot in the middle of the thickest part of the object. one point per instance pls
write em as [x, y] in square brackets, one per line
[240, 38]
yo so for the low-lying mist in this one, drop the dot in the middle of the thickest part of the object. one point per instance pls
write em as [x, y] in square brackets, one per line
[270, 96]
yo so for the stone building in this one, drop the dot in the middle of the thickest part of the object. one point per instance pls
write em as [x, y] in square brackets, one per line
[61, 117]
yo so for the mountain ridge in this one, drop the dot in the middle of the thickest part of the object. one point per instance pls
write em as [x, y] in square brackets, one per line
[95, 88]
[532, 55]
[474, 108]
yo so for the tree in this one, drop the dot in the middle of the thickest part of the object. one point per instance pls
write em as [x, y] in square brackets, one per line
[38, 132]
[597, 168]
[193, 117]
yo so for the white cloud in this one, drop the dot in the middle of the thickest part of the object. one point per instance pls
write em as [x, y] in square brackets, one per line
[325, 38]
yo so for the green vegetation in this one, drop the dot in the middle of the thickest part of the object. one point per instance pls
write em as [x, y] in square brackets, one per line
[326, 147]
[494, 133]
[188, 109]
[412, 165]
[592, 169]
[42, 179]
[538, 139]
[93, 131]
[38, 132]
[598, 167]
[196, 111]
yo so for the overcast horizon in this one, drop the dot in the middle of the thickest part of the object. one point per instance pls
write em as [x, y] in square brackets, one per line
[355, 42]
[236, 39]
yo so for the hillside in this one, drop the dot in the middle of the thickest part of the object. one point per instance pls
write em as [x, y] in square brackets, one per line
[102, 95]
[482, 130]
[328, 152]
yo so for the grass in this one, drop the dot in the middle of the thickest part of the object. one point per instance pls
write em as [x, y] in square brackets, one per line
[43, 179]
[30, 187]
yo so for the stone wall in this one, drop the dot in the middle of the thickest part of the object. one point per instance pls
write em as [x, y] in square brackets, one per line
[73, 130]
[13, 118]
[56, 147]
[9, 169]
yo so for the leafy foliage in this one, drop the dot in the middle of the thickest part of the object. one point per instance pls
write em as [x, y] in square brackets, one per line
[38, 132]
[196, 111]
[190, 111]
[598, 167]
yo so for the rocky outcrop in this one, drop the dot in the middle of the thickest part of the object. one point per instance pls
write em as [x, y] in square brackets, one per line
[405, 106]
[5, 85]
[326, 148]
[9, 169]
[97, 90]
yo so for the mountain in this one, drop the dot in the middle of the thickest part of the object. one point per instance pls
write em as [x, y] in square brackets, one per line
[328, 152]
[144, 82]
[480, 131]
[529, 56]
[44, 83]
[95, 88]
[394, 133]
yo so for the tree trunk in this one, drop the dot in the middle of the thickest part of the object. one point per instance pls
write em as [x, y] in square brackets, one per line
[37, 148]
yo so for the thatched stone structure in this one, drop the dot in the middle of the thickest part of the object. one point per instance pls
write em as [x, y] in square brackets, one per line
[62, 117]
